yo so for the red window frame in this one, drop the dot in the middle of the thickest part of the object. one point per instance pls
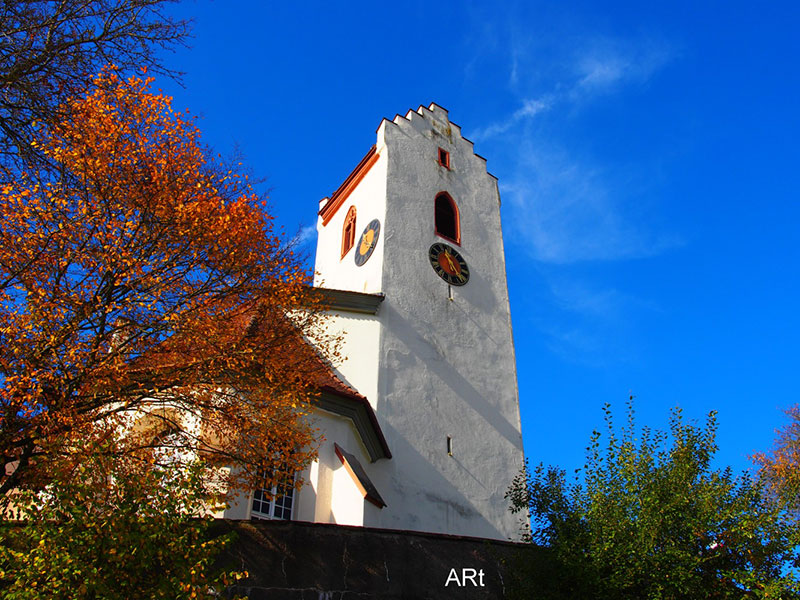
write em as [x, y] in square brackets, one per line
[456, 218]
[444, 158]
[349, 231]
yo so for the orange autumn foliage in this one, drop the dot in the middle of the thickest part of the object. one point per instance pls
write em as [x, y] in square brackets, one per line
[780, 468]
[140, 276]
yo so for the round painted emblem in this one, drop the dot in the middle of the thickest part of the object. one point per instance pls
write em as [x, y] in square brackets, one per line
[367, 242]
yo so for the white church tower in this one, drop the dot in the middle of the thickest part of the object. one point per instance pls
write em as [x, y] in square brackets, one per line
[412, 240]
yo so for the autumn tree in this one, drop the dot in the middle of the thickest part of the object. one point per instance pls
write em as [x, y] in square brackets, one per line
[51, 49]
[139, 276]
[781, 467]
[650, 518]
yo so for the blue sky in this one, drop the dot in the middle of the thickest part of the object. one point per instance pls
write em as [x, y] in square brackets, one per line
[648, 165]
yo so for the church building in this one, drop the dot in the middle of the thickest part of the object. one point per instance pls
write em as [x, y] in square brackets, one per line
[421, 421]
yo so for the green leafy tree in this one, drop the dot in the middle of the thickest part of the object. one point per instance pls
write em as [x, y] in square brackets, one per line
[113, 531]
[651, 518]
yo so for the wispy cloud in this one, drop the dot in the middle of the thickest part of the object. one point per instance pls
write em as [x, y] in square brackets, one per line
[596, 300]
[572, 211]
[570, 207]
[604, 63]
[574, 207]
[566, 204]
[530, 108]
[604, 66]
[305, 237]
[594, 323]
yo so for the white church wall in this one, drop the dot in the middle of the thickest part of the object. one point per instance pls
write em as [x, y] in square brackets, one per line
[337, 498]
[239, 507]
[447, 366]
[360, 335]
[347, 506]
[337, 272]
[307, 496]
[445, 358]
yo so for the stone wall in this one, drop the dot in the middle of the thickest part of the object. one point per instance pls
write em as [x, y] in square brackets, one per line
[304, 561]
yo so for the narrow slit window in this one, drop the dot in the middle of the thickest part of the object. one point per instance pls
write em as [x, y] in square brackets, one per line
[449, 446]
[446, 218]
[349, 231]
[444, 158]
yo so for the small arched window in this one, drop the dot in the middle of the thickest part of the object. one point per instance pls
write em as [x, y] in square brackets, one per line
[349, 231]
[446, 218]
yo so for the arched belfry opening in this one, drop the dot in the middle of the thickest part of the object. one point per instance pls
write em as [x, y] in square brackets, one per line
[446, 218]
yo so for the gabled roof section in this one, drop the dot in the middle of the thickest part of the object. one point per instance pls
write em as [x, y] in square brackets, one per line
[343, 191]
[334, 396]
[338, 398]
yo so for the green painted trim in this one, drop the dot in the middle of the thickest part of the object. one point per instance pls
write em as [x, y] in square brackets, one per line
[348, 301]
[363, 419]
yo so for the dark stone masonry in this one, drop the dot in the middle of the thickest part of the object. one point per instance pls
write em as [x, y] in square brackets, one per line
[305, 561]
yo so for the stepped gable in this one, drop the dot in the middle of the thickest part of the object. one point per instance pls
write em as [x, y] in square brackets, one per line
[423, 118]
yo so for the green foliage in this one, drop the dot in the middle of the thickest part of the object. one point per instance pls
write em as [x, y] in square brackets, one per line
[112, 533]
[650, 518]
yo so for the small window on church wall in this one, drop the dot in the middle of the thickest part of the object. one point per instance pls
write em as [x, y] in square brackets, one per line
[349, 231]
[444, 158]
[274, 503]
[446, 218]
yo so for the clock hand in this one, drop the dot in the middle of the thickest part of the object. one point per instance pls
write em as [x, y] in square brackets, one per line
[364, 248]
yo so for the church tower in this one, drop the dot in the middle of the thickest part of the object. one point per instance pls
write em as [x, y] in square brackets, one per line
[414, 232]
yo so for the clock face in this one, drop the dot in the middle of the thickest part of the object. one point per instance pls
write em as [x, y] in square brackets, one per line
[367, 242]
[448, 264]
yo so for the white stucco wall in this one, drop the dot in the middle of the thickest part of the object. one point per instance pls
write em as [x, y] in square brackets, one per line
[360, 335]
[444, 367]
[347, 504]
[341, 273]
[337, 498]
